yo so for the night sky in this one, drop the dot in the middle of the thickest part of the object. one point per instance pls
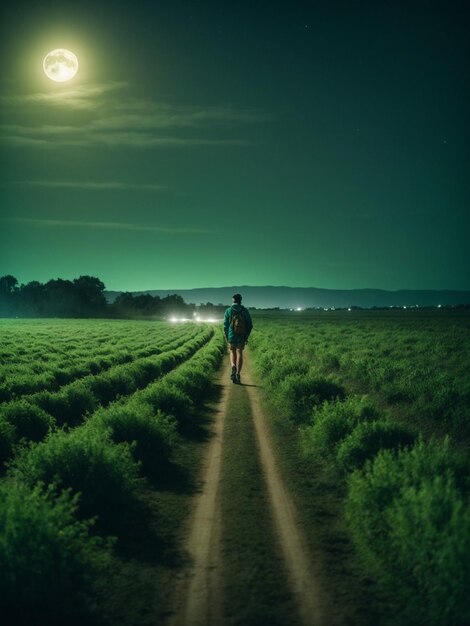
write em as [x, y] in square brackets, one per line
[203, 144]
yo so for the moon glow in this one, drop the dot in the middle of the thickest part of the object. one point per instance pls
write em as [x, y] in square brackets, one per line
[60, 65]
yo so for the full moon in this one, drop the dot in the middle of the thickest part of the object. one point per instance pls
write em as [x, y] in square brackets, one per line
[60, 65]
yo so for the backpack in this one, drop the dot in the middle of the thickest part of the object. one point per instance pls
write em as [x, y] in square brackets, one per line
[238, 322]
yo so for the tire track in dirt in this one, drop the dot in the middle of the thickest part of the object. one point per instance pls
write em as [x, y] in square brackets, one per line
[309, 595]
[198, 600]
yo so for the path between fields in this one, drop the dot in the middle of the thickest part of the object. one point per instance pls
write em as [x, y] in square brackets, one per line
[199, 599]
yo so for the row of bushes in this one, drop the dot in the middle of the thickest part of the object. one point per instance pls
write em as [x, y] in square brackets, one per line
[62, 497]
[31, 418]
[351, 431]
[407, 507]
[409, 515]
[32, 377]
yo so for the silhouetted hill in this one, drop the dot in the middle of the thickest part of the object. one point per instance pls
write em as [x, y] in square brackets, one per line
[306, 297]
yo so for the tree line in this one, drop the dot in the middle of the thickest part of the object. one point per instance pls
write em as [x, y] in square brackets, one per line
[81, 297]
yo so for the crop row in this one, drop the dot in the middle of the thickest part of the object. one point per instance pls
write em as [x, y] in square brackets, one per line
[64, 496]
[46, 369]
[32, 417]
[20, 336]
[57, 340]
[407, 504]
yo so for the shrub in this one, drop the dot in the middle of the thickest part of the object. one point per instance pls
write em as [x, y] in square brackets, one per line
[102, 388]
[409, 518]
[53, 403]
[192, 381]
[330, 361]
[332, 422]
[265, 361]
[368, 438]
[86, 461]
[121, 380]
[154, 433]
[299, 394]
[169, 400]
[48, 560]
[79, 401]
[7, 439]
[430, 548]
[283, 368]
[144, 371]
[69, 405]
[29, 420]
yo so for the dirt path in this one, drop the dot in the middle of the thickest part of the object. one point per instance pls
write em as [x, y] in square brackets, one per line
[310, 599]
[198, 601]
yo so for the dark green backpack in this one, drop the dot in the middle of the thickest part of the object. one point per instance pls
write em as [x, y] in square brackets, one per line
[238, 322]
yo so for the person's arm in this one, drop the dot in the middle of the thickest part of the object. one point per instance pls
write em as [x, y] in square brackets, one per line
[226, 323]
[249, 323]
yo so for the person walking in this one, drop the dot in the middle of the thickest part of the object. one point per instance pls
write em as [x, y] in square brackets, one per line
[237, 328]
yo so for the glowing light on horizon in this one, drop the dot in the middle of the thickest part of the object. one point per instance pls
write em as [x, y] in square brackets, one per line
[209, 320]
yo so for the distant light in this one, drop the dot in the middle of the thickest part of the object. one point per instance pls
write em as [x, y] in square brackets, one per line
[349, 309]
[439, 306]
[404, 307]
[298, 308]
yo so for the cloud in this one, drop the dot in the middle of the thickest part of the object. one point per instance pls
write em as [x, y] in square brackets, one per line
[82, 97]
[107, 226]
[115, 139]
[91, 185]
[109, 115]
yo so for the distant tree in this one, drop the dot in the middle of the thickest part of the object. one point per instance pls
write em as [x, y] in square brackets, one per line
[90, 295]
[32, 297]
[146, 304]
[143, 305]
[173, 304]
[124, 302]
[8, 292]
[8, 284]
[82, 297]
[61, 299]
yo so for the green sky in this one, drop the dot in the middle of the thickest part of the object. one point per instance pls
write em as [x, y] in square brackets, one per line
[206, 144]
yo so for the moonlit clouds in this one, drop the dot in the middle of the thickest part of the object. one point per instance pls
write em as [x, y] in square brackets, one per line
[85, 185]
[110, 116]
[107, 226]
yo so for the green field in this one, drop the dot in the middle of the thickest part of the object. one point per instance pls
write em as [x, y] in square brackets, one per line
[103, 428]
[372, 420]
[107, 410]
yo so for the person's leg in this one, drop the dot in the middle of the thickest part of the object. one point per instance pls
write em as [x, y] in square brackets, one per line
[233, 357]
[239, 362]
[233, 363]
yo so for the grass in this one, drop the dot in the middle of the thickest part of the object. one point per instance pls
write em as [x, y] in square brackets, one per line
[129, 466]
[48, 560]
[414, 370]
